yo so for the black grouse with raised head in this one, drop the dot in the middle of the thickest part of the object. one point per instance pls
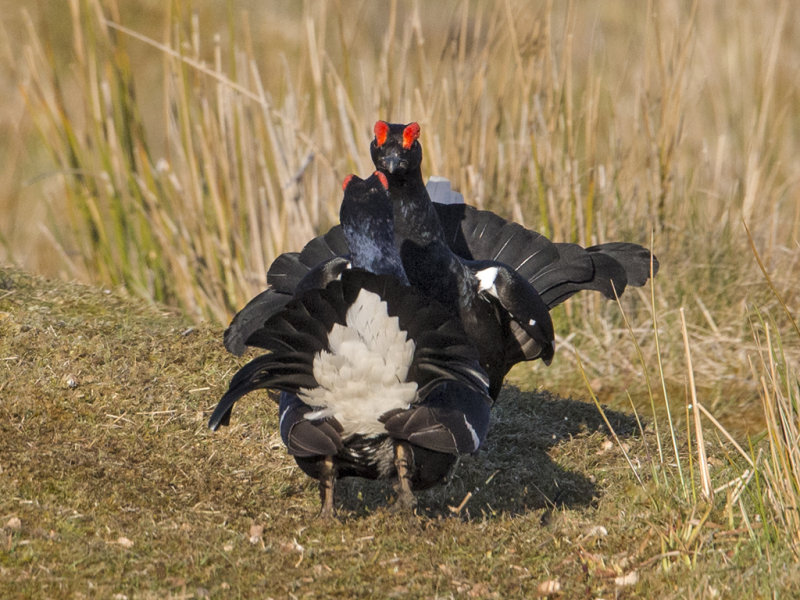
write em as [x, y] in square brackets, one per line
[502, 313]
[376, 380]
[556, 270]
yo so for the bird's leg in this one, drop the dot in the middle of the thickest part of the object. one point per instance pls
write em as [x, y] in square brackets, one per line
[327, 481]
[403, 462]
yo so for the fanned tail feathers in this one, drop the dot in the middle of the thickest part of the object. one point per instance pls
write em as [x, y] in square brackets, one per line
[300, 330]
[251, 318]
[287, 372]
[318, 262]
[556, 270]
[635, 260]
[288, 269]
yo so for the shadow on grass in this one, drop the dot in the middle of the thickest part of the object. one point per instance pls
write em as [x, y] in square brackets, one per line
[513, 473]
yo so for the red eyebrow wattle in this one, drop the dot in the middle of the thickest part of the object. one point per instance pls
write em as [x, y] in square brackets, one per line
[382, 178]
[381, 130]
[410, 135]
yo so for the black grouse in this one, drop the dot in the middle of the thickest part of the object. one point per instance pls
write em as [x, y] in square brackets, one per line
[555, 270]
[501, 312]
[376, 380]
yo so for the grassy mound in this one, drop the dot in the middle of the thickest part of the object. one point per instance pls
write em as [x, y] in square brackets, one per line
[113, 487]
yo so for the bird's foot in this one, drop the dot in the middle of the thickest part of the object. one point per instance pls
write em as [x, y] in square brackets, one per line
[327, 483]
[403, 461]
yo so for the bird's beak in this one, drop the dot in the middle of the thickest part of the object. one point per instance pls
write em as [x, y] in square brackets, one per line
[391, 163]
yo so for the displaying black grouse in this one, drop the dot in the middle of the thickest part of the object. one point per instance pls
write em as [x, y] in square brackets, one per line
[556, 271]
[502, 313]
[376, 380]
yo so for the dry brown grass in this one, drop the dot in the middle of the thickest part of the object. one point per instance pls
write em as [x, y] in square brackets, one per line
[145, 151]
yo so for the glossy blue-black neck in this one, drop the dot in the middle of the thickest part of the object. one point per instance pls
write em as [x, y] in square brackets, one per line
[367, 220]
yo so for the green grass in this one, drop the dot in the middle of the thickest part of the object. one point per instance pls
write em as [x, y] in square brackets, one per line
[120, 488]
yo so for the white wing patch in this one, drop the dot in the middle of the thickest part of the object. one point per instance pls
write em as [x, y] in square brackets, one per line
[363, 375]
[476, 441]
[486, 278]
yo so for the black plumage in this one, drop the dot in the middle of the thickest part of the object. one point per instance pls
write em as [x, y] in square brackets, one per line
[449, 234]
[319, 260]
[339, 416]
[554, 270]
[502, 313]
[557, 270]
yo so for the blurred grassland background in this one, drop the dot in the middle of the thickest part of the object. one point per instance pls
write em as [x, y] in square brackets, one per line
[176, 148]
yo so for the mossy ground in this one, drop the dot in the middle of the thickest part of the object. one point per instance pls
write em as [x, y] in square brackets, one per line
[112, 486]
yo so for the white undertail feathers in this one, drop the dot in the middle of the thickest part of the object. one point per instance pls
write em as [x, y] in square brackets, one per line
[363, 376]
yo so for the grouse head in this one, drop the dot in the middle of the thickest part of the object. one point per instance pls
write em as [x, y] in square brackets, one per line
[365, 201]
[395, 149]
[367, 222]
